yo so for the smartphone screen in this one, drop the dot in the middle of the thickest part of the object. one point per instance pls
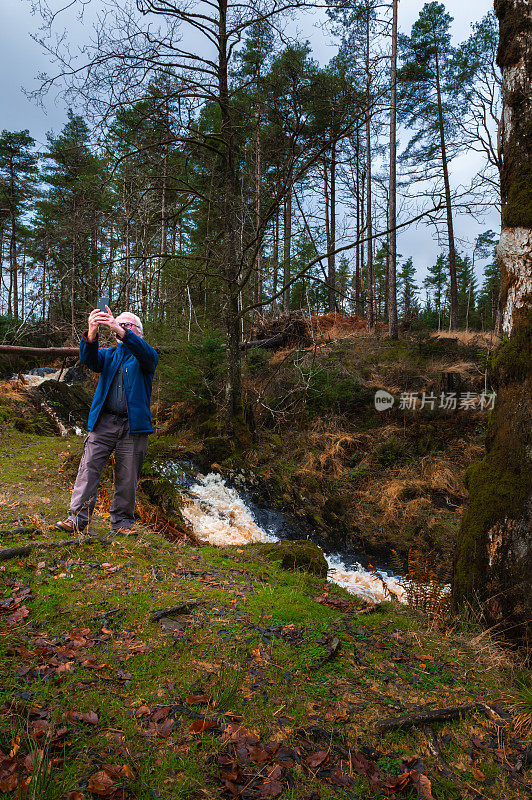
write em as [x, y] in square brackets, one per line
[102, 302]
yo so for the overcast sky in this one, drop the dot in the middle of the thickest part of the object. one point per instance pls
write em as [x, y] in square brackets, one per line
[21, 60]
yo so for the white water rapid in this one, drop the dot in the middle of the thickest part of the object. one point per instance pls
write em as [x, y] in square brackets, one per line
[219, 516]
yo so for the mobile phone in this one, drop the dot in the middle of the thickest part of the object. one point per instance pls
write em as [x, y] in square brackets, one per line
[102, 302]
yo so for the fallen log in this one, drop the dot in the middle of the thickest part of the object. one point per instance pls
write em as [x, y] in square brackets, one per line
[426, 717]
[51, 353]
[269, 344]
[182, 608]
[40, 352]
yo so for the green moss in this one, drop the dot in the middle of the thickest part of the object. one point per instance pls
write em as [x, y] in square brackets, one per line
[500, 487]
[39, 425]
[300, 554]
[494, 489]
[391, 451]
[518, 209]
[517, 173]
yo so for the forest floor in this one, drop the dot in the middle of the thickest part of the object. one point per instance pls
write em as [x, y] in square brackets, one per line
[268, 684]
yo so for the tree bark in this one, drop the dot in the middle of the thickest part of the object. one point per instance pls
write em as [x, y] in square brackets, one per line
[287, 233]
[330, 225]
[231, 250]
[392, 191]
[370, 318]
[494, 548]
[453, 314]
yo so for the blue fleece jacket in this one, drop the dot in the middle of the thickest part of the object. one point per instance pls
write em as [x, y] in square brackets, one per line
[138, 362]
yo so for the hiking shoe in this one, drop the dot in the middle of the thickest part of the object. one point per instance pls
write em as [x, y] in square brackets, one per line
[124, 531]
[69, 526]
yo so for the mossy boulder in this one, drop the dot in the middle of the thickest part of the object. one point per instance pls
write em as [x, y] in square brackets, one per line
[299, 554]
[216, 448]
[71, 404]
[37, 425]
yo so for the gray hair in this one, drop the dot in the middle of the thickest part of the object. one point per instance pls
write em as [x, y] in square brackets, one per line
[137, 320]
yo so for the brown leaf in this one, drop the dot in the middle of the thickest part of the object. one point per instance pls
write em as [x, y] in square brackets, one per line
[8, 781]
[341, 779]
[75, 795]
[165, 728]
[68, 667]
[202, 725]
[40, 727]
[127, 772]
[478, 774]
[160, 714]
[101, 784]
[316, 759]
[197, 699]
[422, 784]
[18, 616]
[15, 746]
[142, 711]
[258, 754]
[90, 717]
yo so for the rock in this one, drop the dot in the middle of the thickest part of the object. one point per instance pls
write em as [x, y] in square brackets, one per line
[70, 404]
[42, 372]
[77, 374]
[298, 554]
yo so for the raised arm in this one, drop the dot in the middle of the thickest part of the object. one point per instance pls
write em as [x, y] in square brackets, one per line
[147, 357]
[88, 347]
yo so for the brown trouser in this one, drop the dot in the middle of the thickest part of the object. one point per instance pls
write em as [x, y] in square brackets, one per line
[110, 433]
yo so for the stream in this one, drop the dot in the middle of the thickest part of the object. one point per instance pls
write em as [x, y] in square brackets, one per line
[220, 515]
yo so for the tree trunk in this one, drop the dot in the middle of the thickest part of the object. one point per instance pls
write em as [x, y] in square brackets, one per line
[275, 257]
[494, 548]
[13, 275]
[287, 233]
[391, 264]
[230, 251]
[359, 231]
[453, 315]
[330, 226]
[370, 319]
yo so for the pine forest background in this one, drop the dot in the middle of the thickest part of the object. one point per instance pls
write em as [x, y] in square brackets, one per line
[201, 191]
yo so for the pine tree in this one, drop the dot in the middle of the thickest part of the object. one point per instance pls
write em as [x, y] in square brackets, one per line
[436, 284]
[426, 106]
[75, 197]
[407, 289]
[488, 295]
[18, 172]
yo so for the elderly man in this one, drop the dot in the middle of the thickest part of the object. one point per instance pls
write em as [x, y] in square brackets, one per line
[119, 419]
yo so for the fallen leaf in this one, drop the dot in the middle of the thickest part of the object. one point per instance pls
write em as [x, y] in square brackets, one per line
[91, 717]
[101, 784]
[422, 784]
[317, 759]
[20, 614]
[478, 774]
[165, 728]
[202, 725]
[197, 699]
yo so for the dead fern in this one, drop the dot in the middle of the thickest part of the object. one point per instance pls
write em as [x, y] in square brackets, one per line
[426, 587]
